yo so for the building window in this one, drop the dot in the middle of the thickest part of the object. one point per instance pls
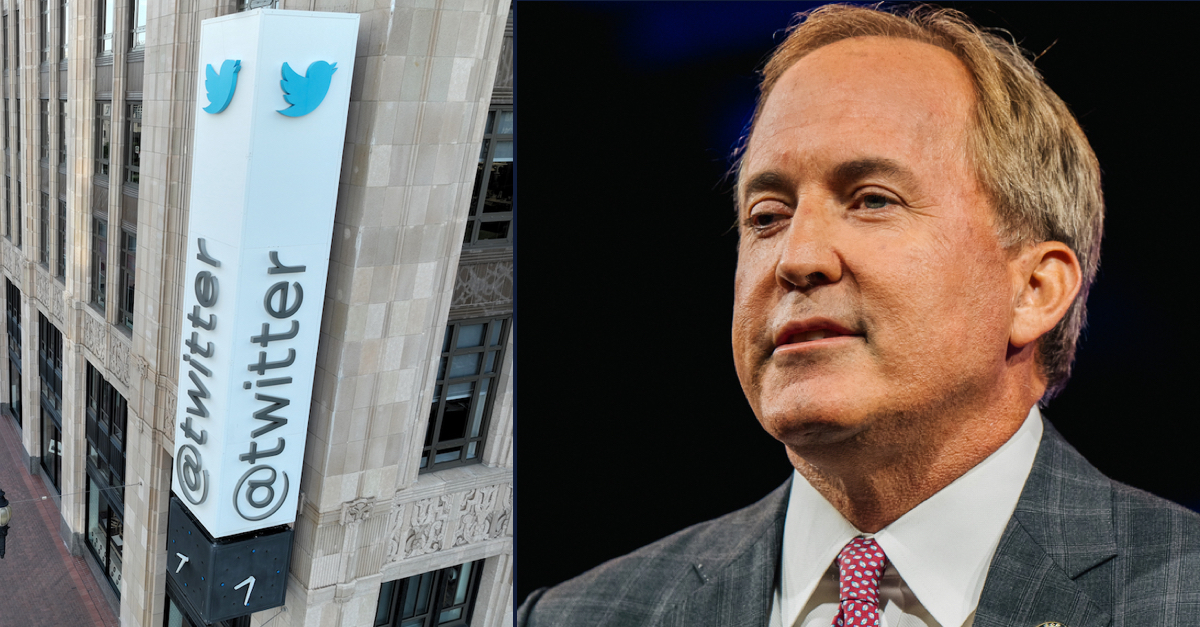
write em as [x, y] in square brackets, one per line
[432, 599]
[17, 123]
[137, 28]
[128, 273]
[62, 30]
[8, 190]
[99, 261]
[107, 414]
[6, 131]
[52, 450]
[50, 364]
[44, 30]
[62, 134]
[13, 311]
[50, 378]
[103, 136]
[44, 131]
[106, 23]
[20, 226]
[472, 352]
[44, 230]
[61, 270]
[106, 531]
[4, 48]
[133, 143]
[491, 213]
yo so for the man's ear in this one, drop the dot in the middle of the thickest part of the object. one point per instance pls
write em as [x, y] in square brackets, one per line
[1048, 277]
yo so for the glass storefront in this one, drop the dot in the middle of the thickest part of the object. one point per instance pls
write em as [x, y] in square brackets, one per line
[52, 449]
[105, 531]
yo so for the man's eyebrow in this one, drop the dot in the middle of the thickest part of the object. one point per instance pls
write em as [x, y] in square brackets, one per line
[843, 175]
[768, 181]
[851, 172]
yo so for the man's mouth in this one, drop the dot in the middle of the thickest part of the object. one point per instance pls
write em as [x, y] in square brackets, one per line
[808, 336]
[806, 331]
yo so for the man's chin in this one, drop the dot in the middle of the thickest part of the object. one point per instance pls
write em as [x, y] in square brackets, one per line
[811, 433]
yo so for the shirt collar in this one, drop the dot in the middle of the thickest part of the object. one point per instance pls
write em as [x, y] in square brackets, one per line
[941, 548]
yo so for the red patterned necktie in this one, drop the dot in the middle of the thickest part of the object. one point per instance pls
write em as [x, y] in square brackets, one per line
[860, 567]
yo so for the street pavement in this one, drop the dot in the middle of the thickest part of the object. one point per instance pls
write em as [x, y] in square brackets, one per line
[41, 584]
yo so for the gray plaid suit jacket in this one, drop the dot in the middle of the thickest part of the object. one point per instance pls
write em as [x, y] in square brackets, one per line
[1080, 549]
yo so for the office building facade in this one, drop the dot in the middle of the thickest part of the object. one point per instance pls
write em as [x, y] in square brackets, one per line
[405, 513]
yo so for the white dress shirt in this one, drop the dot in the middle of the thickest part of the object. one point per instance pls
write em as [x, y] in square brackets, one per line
[938, 553]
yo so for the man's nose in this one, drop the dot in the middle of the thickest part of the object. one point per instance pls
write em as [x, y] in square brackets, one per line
[809, 258]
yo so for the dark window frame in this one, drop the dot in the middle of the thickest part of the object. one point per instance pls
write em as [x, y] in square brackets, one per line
[111, 536]
[50, 387]
[8, 192]
[44, 30]
[20, 225]
[44, 230]
[425, 598]
[51, 450]
[63, 39]
[60, 270]
[137, 25]
[476, 214]
[107, 415]
[99, 270]
[12, 313]
[468, 447]
[44, 130]
[62, 135]
[127, 268]
[133, 142]
[106, 25]
[103, 157]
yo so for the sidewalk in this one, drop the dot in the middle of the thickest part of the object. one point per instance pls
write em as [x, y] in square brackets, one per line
[41, 584]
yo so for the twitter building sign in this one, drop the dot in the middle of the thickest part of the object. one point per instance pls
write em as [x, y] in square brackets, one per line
[270, 123]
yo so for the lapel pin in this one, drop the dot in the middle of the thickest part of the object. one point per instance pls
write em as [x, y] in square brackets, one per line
[1052, 624]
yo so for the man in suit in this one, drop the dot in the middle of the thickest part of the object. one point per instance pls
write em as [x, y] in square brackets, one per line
[919, 222]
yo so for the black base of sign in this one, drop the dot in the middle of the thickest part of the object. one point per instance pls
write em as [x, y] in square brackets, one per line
[226, 577]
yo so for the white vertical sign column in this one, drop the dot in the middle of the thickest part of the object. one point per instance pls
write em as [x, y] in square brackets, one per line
[271, 105]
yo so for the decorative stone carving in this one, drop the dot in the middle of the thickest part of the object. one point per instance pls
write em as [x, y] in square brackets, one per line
[118, 360]
[168, 422]
[95, 337]
[354, 512]
[421, 527]
[143, 368]
[50, 295]
[394, 529]
[13, 260]
[503, 515]
[484, 284]
[427, 528]
[475, 516]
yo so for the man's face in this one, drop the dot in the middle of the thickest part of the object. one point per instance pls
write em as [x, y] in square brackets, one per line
[871, 286]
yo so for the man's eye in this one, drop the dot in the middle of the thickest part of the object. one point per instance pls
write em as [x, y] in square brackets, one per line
[763, 220]
[876, 201]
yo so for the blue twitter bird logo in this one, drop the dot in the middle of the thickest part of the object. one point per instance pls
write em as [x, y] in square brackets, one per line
[220, 86]
[305, 93]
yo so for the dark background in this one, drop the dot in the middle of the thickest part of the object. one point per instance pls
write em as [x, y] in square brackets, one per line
[631, 423]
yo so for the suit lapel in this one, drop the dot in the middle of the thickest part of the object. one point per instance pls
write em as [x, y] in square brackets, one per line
[1054, 561]
[737, 583]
